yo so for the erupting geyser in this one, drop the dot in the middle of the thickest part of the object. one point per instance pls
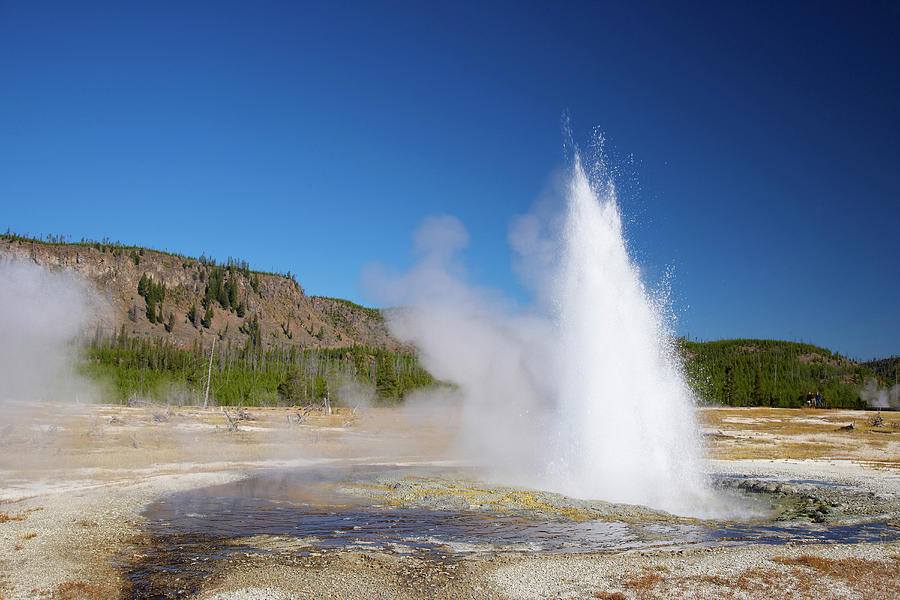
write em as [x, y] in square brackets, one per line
[581, 393]
[624, 419]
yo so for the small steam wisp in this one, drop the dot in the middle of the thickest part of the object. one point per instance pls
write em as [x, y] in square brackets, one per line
[581, 393]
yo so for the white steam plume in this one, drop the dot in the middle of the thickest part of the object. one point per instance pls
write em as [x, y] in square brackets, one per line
[881, 397]
[581, 393]
[41, 313]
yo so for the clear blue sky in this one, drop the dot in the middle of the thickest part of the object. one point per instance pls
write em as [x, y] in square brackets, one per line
[315, 138]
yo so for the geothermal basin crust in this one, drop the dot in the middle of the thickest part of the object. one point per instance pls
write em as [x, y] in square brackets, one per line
[79, 484]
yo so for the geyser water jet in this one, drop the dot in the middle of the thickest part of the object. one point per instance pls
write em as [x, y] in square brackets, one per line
[624, 418]
[579, 393]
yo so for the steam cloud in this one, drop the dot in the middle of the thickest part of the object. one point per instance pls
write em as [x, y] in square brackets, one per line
[577, 393]
[879, 397]
[41, 313]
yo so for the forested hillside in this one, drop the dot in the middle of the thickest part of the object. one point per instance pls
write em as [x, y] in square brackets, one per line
[181, 299]
[771, 373]
[164, 315]
[887, 369]
[130, 369]
[271, 343]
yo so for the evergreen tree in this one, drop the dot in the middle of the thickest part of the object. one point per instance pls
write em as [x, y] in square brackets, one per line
[222, 298]
[321, 388]
[756, 394]
[292, 386]
[386, 378]
[208, 317]
[728, 389]
[251, 328]
[232, 291]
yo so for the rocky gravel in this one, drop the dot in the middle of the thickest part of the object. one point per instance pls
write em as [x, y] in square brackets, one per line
[70, 533]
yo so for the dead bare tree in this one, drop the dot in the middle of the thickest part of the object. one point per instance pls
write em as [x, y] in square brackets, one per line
[209, 374]
[95, 430]
[301, 417]
[232, 424]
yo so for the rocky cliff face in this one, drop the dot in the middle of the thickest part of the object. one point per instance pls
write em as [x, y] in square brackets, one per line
[286, 315]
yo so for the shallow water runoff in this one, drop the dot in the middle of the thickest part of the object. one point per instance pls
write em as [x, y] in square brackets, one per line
[406, 511]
